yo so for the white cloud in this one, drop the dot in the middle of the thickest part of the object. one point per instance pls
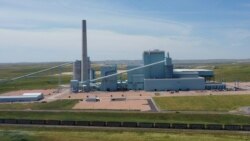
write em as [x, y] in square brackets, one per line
[45, 31]
[65, 45]
[40, 14]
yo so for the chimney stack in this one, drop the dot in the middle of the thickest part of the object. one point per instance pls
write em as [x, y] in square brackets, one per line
[85, 60]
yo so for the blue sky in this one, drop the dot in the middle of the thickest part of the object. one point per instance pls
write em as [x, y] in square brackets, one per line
[50, 30]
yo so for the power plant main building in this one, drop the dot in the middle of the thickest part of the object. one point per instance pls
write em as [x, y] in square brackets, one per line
[156, 74]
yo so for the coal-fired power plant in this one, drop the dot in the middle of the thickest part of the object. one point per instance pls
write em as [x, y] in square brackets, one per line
[81, 69]
[156, 74]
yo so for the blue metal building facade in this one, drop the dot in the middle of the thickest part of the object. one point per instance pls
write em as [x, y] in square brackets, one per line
[74, 85]
[155, 71]
[176, 84]
[163, 76]
[110, 83]
[135, 78]
[169, 67]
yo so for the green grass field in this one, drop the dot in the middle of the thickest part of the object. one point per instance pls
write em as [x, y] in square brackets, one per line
[44, 80]
[13, 70]
[55, 105]
[232, 72]
[130, 116]
[203, 103]
[71, 134]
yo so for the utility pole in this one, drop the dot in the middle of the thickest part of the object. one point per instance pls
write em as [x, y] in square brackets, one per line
[59, 77]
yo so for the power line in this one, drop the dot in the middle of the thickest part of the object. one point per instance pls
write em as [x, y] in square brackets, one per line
[41, 71]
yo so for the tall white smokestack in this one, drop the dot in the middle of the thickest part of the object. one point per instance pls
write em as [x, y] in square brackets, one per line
[85, 60]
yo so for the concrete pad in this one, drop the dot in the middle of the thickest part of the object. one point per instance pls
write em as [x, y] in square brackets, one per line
[107, 104]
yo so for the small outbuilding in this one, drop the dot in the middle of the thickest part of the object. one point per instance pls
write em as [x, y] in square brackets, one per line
[26, 97]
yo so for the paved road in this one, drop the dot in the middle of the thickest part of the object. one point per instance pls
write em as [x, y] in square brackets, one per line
[153, 106]
[54, 96]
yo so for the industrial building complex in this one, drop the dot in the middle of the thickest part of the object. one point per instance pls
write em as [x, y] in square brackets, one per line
[156, 74]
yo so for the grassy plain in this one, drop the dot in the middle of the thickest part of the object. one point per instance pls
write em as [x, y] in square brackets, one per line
[13, 70]
[203, 103]
[63, 134]
[232, 72]
[54, 105]
[130, 116]
[44, 80]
